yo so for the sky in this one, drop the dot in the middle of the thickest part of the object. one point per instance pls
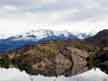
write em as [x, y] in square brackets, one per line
[18, 16]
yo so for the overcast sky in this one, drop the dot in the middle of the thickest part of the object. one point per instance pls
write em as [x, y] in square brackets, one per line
[72, 15]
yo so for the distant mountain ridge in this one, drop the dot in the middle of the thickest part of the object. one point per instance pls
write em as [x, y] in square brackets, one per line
[101, 38]
[37, 36]
[56, 54]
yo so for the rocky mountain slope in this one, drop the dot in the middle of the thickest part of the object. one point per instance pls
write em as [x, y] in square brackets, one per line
[51, 58]
[58, 57]
[100, 39]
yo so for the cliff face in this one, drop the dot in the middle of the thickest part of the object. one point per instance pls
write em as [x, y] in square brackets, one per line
[52, 58]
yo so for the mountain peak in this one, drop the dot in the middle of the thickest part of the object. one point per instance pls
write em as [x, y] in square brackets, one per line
[101, 38]
[33, 36]
[103, 32]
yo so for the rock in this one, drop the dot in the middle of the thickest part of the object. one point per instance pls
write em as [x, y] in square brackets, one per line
[49, 59]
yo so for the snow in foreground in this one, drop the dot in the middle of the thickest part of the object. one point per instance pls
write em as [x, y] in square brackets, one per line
[16, 75]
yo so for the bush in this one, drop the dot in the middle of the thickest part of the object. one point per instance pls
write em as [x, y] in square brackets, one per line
[5, 62]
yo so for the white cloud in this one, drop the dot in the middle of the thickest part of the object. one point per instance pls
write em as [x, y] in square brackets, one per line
[61, 10]
[16, 2]
[9, 8]
[17, 25]
[20, 15]
[92, 9]
[44, 1]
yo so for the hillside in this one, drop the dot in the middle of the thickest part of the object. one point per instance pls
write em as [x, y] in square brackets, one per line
[51, 58]
[100, 39]
[59, 57]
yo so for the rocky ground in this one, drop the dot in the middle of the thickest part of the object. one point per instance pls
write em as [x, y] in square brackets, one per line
[51, 59]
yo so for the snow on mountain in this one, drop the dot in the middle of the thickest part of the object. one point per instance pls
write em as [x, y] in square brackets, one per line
[83, 35]
[40, 34]
[36, 36]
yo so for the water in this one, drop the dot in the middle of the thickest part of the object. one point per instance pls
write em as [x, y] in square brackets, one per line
[16, 75]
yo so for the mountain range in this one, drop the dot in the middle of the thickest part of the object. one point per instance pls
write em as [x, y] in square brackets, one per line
[101, 38]
[32, 37]
[55, 53]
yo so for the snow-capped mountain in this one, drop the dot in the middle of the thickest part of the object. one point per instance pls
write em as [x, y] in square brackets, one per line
[49, 34]
[83, 35]
[37, 36]
[40, 34]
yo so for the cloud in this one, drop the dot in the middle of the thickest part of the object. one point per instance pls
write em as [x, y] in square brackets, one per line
[54, 11]
[60, 15]
[15, 2]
